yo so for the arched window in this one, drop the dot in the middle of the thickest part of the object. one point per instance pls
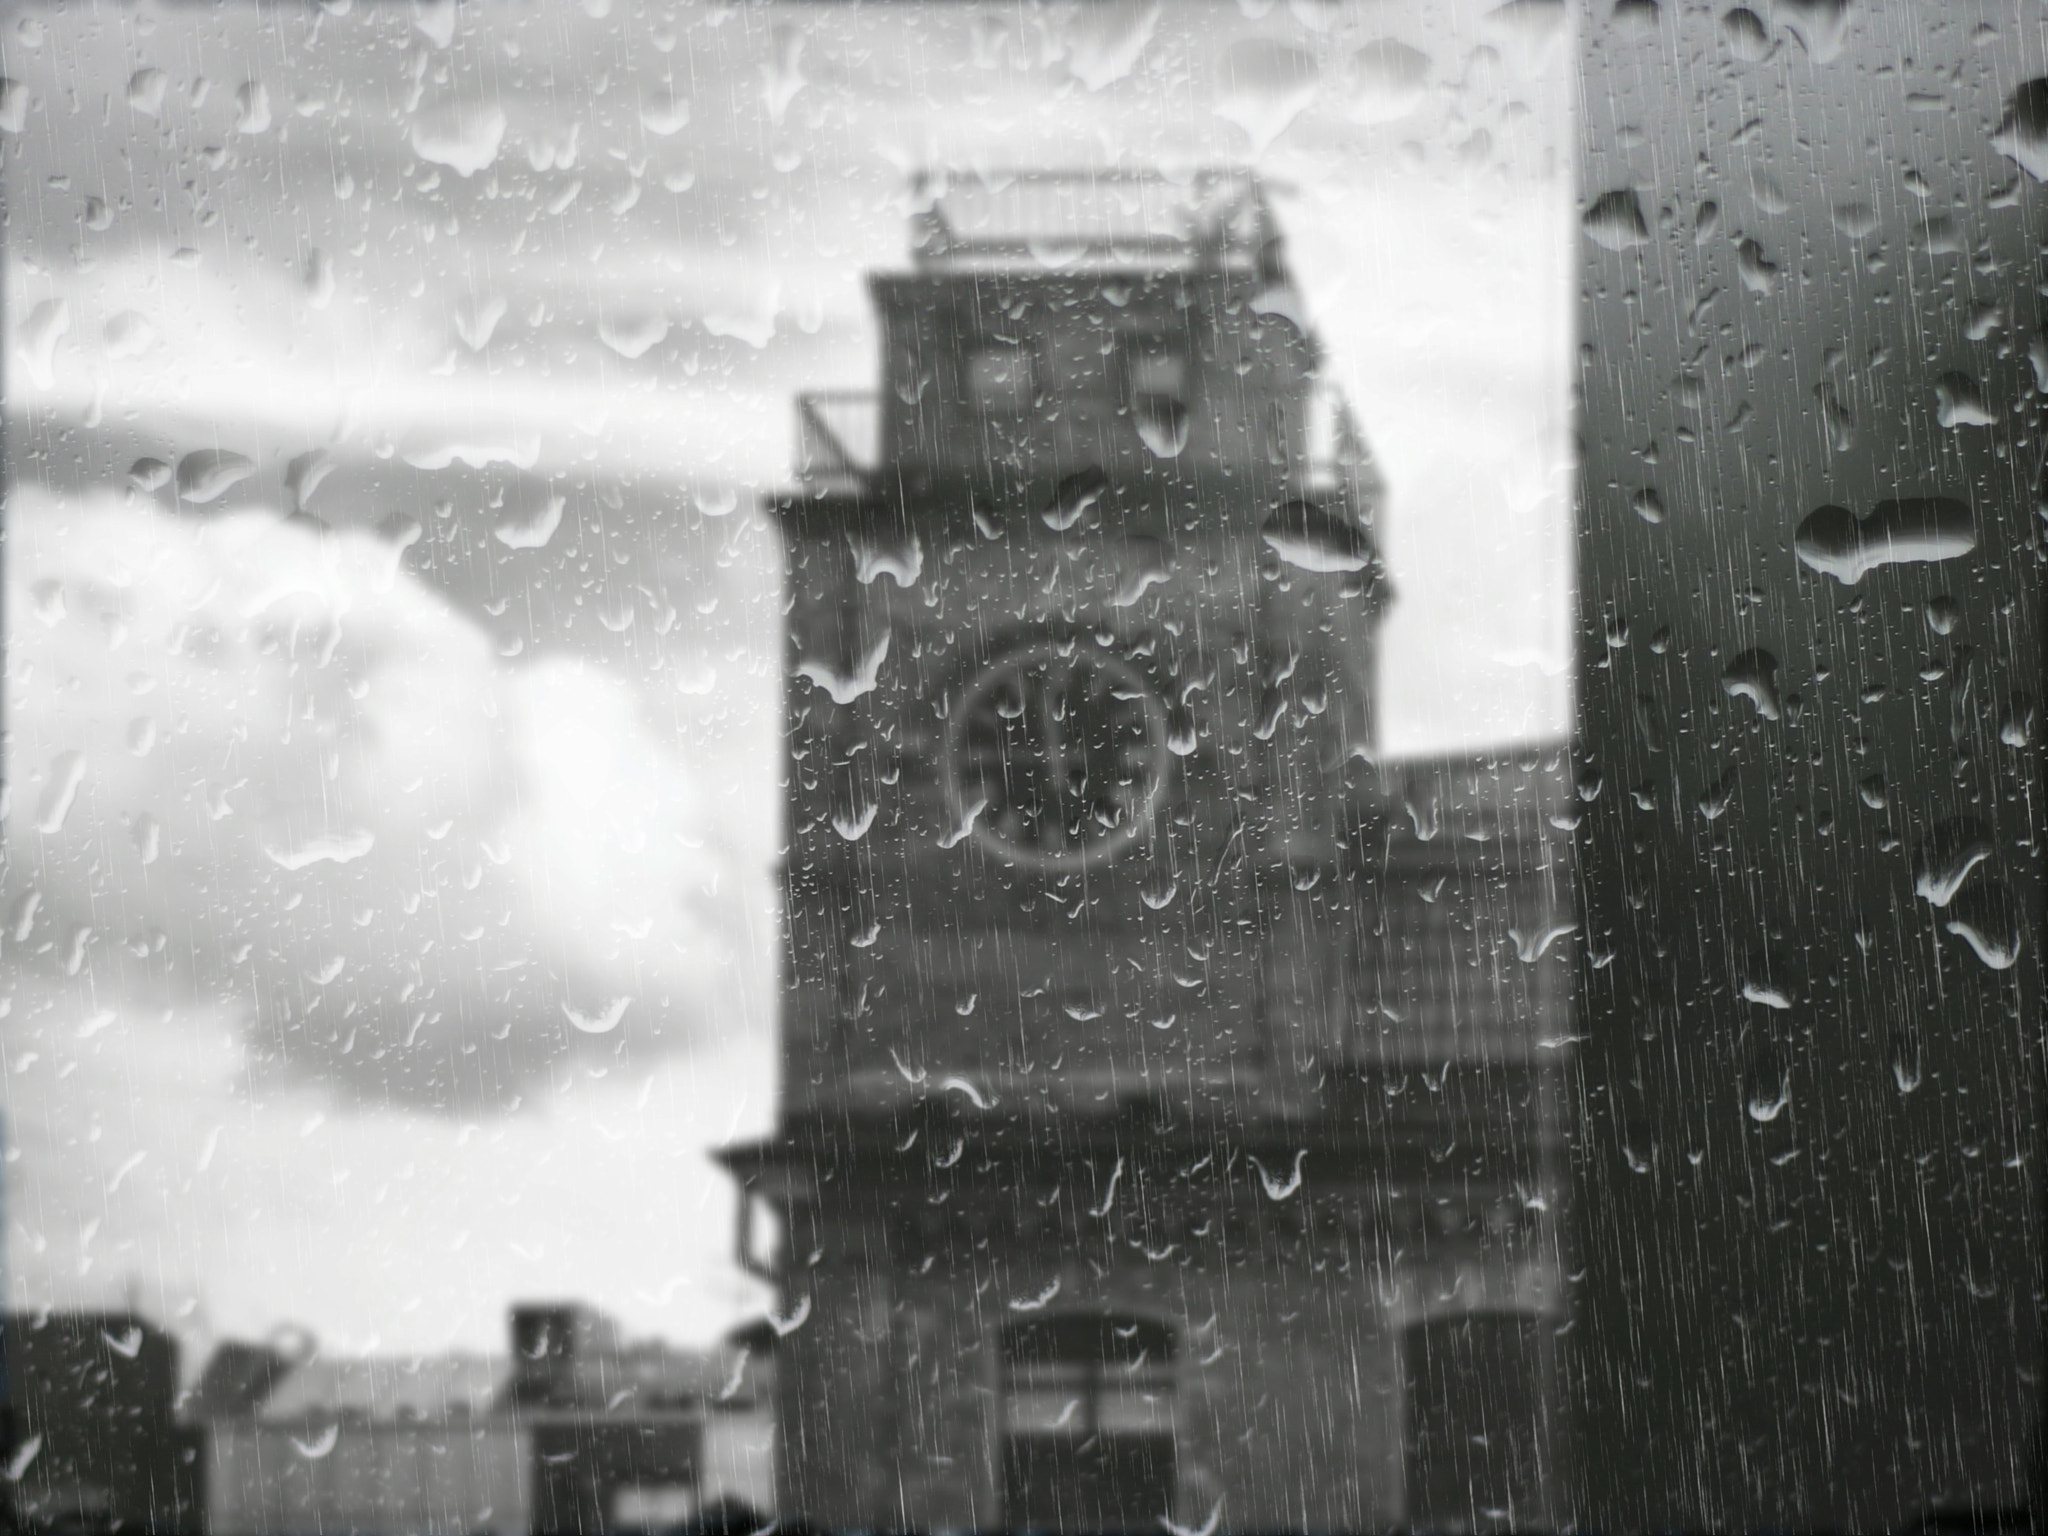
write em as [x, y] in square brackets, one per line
[1088, 1403]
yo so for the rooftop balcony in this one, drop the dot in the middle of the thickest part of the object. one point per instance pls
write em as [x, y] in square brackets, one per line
[839, 446]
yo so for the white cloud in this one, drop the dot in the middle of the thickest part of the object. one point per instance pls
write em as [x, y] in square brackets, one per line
[398, 857]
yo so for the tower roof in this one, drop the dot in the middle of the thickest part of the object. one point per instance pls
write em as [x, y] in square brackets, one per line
[1213, 219]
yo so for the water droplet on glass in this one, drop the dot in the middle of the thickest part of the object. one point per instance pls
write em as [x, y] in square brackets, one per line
[1425, 819]
[210, 473]
[1104, 42]
[1713, 800]
[1988, 920]
[1636, 16]
[852, 823]
[1954, 848]
[252, 108]
[1651, 722]
[1533, 944]
[1263, 84]
[1158, 889]
[1758, 272]
[147, 835]
[304, 474]
[2016, 729]
[1835, 419]
[1766, 995]
[317, 278]
[1162, 426]
[129, 334]
[603, 1021]
[1386, 80]
[1072, 498]
[715, 500]
[1871, 791]
[1920, 529]
[1180, 738]
[1615, 221]
[2022, 134]
[1766, 191]
[1855, 220]
[1647, 505]
[1306, 535]
[60, 790]
[319, 1446]
[633, 336]
[1142, 563]
[534, 530]
[13, 106]
[149, 474]
[1753, 675]
[1959, 402]
[898, 556]
[435, 20]
[844, 685]
[664, 114]
[146, 91]
[1281, 1186]
[465, 137]
[1531, 30]
[1767, 1101]
[1744, 35]
[476, 319]
[37, 339]
[1819, 25]
[1944, 614]
[1039, 1300]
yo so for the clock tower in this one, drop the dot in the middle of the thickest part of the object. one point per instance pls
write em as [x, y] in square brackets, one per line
[1167, 1105]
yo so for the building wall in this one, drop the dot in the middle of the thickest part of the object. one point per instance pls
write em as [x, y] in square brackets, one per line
[739, 1454]
[373, 1480]
[1289, 1315]
[92, 1398]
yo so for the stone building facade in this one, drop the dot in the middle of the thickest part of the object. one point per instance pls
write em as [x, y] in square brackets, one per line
[1169, 1090]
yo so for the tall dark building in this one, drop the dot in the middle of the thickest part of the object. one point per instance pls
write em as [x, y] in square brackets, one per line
[97, 1446]
[1167, 1120]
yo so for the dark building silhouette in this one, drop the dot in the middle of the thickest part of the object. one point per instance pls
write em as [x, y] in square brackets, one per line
[576, 1432]
[1168, 1108]
[97, 1446]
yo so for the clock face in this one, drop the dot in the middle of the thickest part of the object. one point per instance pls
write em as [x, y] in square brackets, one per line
[1056, 756]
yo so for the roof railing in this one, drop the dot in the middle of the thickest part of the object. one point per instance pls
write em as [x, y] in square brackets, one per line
[1211, 219]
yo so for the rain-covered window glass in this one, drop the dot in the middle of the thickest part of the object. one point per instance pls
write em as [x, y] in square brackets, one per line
[1183, 765]
[1001, 377]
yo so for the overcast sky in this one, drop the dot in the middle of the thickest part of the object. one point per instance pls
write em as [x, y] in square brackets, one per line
[387, 927]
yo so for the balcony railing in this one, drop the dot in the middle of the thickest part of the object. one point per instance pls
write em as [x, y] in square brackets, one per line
[839, 443]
